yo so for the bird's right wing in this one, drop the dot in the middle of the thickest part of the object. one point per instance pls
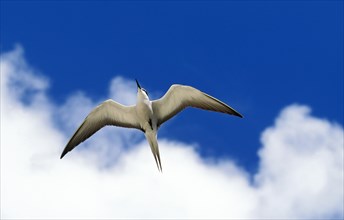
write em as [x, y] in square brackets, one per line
[107, 113]
[179, 97]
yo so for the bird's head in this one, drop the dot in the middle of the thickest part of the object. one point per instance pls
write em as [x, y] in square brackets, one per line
[141, 92]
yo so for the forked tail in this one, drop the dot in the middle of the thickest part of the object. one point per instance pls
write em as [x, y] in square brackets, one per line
[153, 142]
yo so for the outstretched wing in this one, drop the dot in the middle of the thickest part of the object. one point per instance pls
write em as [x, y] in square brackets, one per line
[179, 97]
[107, 113]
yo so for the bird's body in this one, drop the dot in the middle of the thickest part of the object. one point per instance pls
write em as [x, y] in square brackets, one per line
[146, 115]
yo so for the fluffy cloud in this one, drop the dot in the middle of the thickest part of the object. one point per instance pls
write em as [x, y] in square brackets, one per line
[113, 174]
[301, 168]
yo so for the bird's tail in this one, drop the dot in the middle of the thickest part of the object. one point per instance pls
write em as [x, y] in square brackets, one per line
[153, 142]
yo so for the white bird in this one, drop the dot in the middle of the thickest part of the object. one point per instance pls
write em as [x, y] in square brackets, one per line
[146, 115]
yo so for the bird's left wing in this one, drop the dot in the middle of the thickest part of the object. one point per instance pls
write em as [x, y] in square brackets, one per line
[107, 113]
[178, 97]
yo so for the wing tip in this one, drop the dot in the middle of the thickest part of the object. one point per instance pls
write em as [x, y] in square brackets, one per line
[239, 115]
[63, 154]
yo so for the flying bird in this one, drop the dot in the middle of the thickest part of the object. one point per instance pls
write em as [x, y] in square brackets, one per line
[146, 115]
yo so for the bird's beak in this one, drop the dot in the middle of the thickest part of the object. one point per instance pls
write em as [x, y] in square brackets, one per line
[138, 85]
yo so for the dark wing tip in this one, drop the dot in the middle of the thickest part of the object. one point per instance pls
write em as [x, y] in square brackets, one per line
[229, 110]
[64, 153]
[235, 113]
[238, 114]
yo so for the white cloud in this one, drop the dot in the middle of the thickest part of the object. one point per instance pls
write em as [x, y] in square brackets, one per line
[113, 174]
[123, 90]
[301, 172]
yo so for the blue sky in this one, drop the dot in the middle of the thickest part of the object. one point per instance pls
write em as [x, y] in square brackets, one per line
[280, 64]
[256, 56]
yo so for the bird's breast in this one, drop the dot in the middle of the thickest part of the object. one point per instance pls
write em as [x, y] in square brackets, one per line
[144, 110]
[145, 114]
